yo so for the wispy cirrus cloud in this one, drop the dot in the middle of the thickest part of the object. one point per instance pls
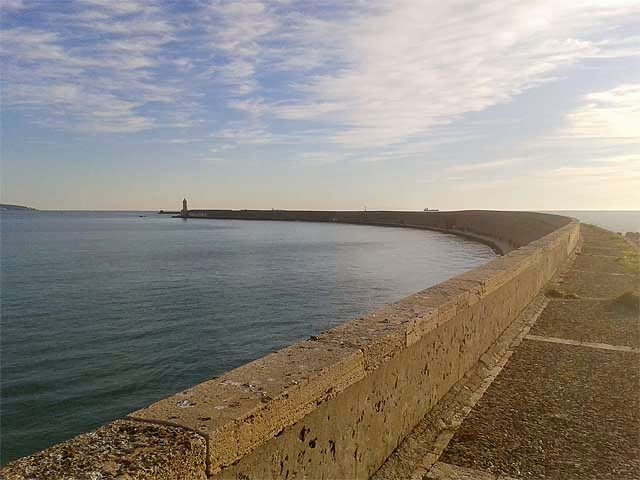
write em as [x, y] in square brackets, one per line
[474, 96]
[94, 71]
[11, 5]
[611, 115]
[620, 175]
[382, 75]
[485, 166]
[121, 7]
[413, 65]
[235, 32]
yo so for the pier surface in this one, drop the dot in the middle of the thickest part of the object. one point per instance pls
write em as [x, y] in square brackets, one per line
[560, 398]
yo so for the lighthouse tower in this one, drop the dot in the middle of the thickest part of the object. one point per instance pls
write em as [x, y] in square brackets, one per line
[185, 211]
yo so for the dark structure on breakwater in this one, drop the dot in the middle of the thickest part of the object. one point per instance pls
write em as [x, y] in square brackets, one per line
[184, 213]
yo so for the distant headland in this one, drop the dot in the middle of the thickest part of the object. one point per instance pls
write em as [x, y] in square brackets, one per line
[7, 207]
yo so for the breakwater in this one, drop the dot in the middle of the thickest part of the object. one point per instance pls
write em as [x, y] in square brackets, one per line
[337, 404]
[481, 225]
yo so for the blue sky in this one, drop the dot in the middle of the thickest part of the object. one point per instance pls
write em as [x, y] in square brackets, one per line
[394, 104]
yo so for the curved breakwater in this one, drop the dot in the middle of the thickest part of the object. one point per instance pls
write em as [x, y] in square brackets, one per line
[378, 374]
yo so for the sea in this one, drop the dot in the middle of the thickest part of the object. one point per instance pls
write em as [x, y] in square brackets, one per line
[621, 221]
[103, 313]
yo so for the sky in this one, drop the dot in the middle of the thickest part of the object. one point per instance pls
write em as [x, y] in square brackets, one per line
[392, 104]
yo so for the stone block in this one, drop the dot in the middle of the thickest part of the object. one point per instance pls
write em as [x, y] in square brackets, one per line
[120, 450]
[245, 407]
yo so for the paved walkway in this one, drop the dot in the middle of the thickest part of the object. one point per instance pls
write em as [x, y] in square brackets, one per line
[562, 400]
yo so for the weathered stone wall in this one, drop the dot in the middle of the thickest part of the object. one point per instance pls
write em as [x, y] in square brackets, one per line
[336, 405]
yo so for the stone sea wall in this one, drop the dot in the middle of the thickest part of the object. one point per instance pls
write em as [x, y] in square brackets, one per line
[482, 225]
[335, 405]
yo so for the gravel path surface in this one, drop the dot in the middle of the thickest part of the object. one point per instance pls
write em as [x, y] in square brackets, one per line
[598, 285]
[604, 264]
[604, 321]
[556, 412]
[559, 411]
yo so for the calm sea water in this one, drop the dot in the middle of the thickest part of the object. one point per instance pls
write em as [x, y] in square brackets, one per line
[617, 221]
[104, 313]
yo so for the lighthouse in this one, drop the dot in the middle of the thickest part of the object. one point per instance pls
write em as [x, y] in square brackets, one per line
[184, 213]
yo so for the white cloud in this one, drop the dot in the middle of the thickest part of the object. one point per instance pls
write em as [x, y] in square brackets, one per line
[612, 115]
[33, 45]
[485, 166]
[317, 159]
[606, 171]
[119, 7]
[239, 26]
[11, 5]
[93, 111]
[91, 86]
[246, 136]
[137, 26]
[250, 106]
[380, 75]
[235, 31]
[410, 65]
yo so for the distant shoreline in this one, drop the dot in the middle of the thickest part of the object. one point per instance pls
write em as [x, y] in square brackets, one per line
[10, 207]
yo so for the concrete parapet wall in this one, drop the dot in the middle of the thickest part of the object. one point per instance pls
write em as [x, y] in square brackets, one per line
[502, 230]
[337, 405]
